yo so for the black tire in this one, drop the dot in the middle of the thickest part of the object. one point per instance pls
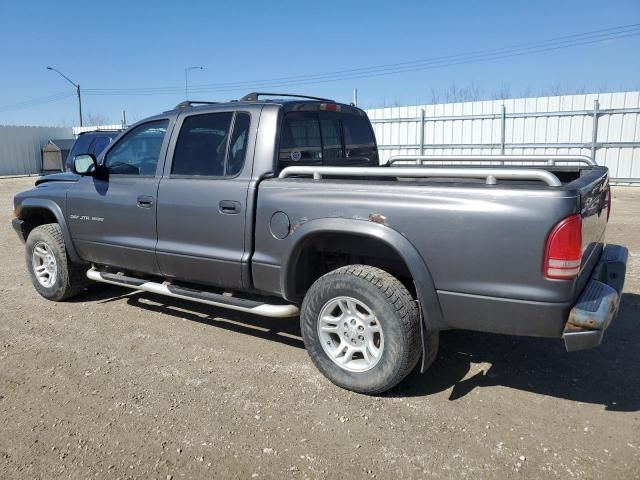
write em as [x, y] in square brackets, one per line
[70, 278]
[395, 311]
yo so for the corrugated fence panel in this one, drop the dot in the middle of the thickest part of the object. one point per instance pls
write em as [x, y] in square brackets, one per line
[21, 147]
[542, 125]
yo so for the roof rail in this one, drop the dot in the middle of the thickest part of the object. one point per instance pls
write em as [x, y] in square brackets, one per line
[253, 96]
[191, 103]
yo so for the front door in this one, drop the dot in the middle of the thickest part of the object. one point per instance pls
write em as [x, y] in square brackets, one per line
[113, 221]
[202, 199]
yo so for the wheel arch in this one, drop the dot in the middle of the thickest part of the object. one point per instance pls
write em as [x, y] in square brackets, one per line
[429, 306]
[38, 211]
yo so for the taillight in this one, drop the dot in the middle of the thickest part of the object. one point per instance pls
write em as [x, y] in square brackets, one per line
[608, 203]
[563, 253]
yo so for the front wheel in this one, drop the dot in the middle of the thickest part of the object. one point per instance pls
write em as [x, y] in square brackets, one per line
[361, 328]
[52, 273]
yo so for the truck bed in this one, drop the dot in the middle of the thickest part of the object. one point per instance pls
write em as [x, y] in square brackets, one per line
[482, 243]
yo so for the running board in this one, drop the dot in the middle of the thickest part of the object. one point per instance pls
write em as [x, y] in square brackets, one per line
[209, 298]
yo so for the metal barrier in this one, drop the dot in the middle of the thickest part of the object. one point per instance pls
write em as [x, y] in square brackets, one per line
[602, 126]
[503, 116]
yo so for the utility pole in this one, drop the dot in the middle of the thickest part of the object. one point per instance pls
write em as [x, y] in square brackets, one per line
[186, 80]
[355, 97]
[76, 85]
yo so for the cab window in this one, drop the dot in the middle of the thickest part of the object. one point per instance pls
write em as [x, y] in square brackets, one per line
[238, 145]
[138, 151]
[326, 138]
[359, 141]
[300, 142]
[331, 130]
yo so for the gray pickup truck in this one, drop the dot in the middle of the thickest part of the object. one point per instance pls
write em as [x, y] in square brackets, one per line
[279, 207]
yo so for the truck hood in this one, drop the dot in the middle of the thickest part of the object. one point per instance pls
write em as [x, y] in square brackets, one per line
[58, 177]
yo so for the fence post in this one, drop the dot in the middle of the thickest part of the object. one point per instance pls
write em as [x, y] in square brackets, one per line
[503, 125]
[594, 132]
[422, 131]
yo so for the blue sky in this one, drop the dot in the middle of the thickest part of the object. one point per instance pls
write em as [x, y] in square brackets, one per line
[147, 44]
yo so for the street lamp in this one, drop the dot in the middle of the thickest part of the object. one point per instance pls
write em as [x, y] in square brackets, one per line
[186, 80]
[77, 85]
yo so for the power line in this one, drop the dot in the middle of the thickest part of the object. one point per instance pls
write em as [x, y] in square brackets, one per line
[36, 101]
[422, 67]
[607, 31]
[530, 48]
[566, 38]
[475, 60]
[566, 41]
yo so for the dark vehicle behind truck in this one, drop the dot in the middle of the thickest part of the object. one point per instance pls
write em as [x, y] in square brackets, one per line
[93, 142]
[279, 208]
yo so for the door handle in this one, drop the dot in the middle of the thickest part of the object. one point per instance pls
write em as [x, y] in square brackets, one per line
[229, 207]
[145, 201]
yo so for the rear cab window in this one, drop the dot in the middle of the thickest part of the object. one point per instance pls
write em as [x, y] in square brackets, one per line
[211, 145]
[359, 139]
[300, 142]
[326, 139]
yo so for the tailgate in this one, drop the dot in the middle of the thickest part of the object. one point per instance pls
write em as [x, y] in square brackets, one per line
[593, 188]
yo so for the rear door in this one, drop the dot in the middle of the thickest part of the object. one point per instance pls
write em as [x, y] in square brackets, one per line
[113, 220]
[202, 198]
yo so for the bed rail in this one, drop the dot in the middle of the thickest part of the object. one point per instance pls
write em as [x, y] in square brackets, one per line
[549, 160]
[490, 175]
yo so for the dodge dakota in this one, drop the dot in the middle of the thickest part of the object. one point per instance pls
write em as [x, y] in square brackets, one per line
[277, 205]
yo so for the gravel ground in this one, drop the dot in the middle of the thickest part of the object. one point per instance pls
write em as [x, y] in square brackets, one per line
[118, 384]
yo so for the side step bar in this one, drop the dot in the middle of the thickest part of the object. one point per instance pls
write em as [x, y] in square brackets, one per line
[209, 298]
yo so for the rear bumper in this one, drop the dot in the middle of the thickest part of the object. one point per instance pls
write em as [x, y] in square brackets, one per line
[598, 304]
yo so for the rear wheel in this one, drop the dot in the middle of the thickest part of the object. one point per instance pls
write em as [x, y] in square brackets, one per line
[52, 273]
[361, 328]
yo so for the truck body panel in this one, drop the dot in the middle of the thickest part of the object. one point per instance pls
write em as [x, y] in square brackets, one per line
[494, 236]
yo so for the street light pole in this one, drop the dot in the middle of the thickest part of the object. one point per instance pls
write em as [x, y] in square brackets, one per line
[186, 80]
[77, 85]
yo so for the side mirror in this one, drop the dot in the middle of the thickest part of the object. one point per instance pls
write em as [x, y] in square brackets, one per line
[85, 164]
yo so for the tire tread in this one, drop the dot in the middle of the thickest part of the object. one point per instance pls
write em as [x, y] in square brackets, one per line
[74, 275]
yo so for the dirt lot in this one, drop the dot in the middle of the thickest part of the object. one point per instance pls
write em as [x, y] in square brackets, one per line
[118, 384]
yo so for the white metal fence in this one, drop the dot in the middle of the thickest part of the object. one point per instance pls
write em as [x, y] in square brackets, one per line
[21, 147]
[605, 126]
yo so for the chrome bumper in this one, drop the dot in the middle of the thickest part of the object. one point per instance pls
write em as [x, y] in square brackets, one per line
[598, 304]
